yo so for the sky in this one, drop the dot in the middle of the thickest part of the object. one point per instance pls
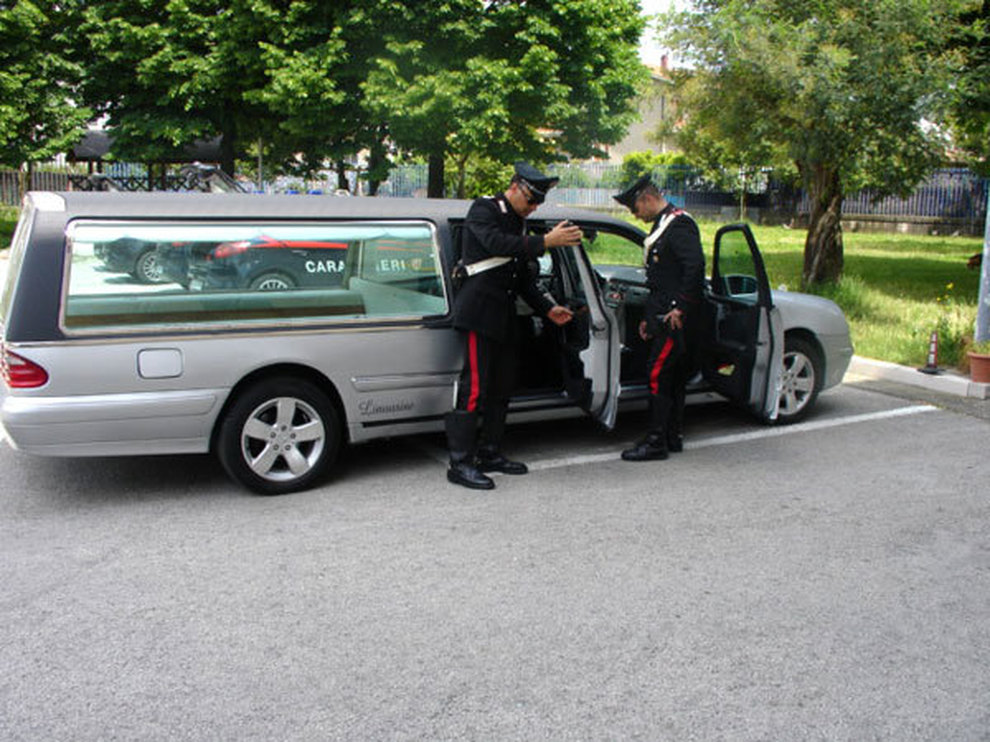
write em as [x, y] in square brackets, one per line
[649, 51]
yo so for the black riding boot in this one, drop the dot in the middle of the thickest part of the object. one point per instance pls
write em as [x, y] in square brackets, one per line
[461, 433]
[675, 423]
[489, 457]
[654, 446]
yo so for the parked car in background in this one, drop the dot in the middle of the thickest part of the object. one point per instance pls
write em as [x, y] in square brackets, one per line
[176, 259]
[270, 263]
[138, 258]
[275, 382]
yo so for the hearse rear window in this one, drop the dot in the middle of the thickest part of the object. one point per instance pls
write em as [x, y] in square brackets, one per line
[126, 275]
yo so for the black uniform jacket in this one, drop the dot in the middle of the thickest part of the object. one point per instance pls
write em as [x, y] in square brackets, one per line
[486, 303]
[675, 270]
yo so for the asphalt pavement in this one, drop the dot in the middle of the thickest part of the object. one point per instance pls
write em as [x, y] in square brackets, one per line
[823, 581]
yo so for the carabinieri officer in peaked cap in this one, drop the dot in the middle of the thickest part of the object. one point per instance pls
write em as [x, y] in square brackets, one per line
[496, 251]
[675, 271]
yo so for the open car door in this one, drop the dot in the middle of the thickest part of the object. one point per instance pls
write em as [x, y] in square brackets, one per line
[742, 344]
[598, 350]
[573, 365]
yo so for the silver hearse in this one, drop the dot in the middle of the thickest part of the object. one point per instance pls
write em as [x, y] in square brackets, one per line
[306, 323]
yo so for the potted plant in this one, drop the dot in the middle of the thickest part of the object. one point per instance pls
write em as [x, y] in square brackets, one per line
[979, 361]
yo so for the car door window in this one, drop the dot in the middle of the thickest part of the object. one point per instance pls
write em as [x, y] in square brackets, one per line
[133, 275]
[736, 270]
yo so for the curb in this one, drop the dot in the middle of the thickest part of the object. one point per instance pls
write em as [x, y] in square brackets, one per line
[946, 382]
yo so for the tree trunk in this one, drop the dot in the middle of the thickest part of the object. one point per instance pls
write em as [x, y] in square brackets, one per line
[742, 196]
[227, 163]
[376, 156]
[342, 182]
[378, 163]
[434, 184]
[823, 246]
[24, 178]
[461, 176]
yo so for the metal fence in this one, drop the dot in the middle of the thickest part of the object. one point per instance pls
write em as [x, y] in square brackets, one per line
[946, 194]
[43, 180]
[953, 195]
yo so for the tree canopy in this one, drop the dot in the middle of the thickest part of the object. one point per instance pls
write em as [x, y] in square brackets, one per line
[168, 73]
[39, 117]
[314, 80]
[969, 111]
[843, 89]
[506, 80]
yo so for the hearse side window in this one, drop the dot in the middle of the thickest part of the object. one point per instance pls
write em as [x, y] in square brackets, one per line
[139, 274]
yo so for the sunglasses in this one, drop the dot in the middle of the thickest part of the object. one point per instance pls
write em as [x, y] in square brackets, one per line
[529, 193]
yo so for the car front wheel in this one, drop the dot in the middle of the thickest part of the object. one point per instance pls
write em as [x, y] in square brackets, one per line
[272, 281]
[147, 269]
[279, 436]
[801, 379]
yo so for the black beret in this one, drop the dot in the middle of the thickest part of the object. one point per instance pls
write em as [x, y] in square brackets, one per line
[628, 197]
[538, 183]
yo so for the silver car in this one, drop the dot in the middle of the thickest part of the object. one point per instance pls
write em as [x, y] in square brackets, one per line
[276, 378]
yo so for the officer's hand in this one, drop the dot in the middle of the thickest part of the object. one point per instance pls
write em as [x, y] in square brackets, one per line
[559, 315]
[642, 330]
[562, 235]
[674, 318]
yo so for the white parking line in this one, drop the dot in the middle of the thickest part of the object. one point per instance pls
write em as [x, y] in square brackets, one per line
[724, 440]
[440, 455]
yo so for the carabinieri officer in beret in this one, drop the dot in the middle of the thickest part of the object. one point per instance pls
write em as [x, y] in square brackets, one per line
[496, 251]
[675, 274]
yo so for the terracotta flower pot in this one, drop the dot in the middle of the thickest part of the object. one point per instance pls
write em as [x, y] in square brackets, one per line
[979, 367]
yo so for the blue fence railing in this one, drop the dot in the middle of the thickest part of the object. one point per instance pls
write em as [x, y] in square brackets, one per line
[948, 194]
[956, 194]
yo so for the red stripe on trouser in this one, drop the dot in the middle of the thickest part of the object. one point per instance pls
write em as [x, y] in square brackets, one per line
[472, 403]
[658, 365]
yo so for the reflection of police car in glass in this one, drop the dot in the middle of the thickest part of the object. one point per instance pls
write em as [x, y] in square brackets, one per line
[139, 258]
[270, 264]
[176, 258]
[360, 345]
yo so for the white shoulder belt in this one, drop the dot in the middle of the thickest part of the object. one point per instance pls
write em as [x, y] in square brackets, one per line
[485, 265]
[655, 235]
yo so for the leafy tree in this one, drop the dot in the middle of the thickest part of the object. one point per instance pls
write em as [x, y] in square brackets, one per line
[841, 88]
[477, 176]
[38, 115]
[637, 164]
[168, 72]
[969, 111]
[505, 80]
[316, 57]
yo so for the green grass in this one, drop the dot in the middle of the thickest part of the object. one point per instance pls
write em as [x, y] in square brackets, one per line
[895, 290]
[8, 220]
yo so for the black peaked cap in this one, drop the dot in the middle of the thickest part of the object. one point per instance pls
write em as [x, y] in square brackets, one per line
[536, 180]
[628, 197]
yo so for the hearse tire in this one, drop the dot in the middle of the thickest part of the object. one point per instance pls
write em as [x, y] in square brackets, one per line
[802, 377]
[280, 435]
